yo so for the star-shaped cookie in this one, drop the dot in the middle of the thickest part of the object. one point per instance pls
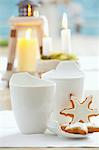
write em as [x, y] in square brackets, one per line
[80, 112]
[80, 128]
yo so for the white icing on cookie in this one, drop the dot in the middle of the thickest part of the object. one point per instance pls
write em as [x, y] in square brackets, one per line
[80, 111]
[80, 125]
[93, 125]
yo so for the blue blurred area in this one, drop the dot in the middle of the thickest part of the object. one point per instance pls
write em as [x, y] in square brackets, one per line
[8, 8]
[85, 12]
[90, 16]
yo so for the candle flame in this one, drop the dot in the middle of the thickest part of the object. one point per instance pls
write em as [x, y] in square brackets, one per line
[64, 21]
[28, 33]
[29, 10]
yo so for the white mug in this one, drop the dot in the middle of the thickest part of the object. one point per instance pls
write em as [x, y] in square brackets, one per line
[31, 99]
[69, 80]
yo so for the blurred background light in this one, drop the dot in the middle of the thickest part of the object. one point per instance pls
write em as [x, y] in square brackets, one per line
[83, 15]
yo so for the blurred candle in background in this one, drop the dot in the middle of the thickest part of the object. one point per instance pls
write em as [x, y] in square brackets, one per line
[65, 21]
[47, 45]
[27, 48]
[47, 40]
[46, 26]
[65, 35]
[36, 13]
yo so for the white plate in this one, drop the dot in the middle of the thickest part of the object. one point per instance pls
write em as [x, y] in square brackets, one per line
[54, 127]
[69, 135]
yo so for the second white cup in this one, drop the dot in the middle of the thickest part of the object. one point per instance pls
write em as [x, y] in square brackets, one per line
[69, 80]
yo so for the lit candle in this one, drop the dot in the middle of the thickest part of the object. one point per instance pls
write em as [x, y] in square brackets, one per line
[47, 45]
[27, 48]
[65, 35]
[65, 21]
[46, 26]
[29, 10]
[36, 13]
[47, 41]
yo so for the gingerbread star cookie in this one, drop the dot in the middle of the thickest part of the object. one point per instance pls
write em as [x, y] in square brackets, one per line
[80, 112]
[92, 127]
[80, 128]
[77, 128]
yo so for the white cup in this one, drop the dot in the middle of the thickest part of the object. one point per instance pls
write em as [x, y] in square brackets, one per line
[69, 80]
[31, 99]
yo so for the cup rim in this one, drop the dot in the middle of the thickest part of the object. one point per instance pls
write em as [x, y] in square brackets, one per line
[48, 84]
[64, 77]
[51, 84]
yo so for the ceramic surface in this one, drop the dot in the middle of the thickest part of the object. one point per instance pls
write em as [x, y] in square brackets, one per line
[31, 102]
[53, 126]
[69, 79]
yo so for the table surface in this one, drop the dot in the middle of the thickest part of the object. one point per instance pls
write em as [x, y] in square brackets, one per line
[11, 137]
[49, 148]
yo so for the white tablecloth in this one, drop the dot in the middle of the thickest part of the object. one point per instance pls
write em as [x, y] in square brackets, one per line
[10, 136]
